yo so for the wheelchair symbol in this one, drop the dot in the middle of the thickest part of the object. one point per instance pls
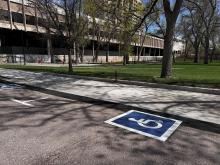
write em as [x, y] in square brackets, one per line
[153, 124]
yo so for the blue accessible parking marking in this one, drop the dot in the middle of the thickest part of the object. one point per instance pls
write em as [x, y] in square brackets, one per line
[9, 86]
[146, 124]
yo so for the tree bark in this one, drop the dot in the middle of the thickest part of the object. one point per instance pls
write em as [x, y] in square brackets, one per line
[70, 60]
[167, 54]
[212, 54]
[185, 52]
[196, 57]
[82, 54]
[93, 51]
[75, 52]
[107, 52]
[174, 60]
[206, 55]
[97, 52]
[171, 17]
[125, 51]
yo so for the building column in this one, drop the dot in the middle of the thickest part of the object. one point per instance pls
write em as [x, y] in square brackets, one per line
[155, 50]
[119, 49]
[137, 53]
[10, 14]
[24, 16]
[36, 17]
[49, 52]
[149, 51]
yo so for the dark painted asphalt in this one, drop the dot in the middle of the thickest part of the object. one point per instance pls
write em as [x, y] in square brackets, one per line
[54, 130]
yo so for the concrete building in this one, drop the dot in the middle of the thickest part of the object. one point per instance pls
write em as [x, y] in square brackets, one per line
[178, 47]
[22, 32]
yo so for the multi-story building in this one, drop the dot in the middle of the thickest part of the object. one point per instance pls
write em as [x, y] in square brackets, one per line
[22, 32]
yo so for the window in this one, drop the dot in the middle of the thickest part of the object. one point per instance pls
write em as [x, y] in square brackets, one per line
[17, 17]
[4, 15]
[30, 20]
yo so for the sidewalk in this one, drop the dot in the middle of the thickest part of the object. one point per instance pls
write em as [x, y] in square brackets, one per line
[199, 106]
[55, 64]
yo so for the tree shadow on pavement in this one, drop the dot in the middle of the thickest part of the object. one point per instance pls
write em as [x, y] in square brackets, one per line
[78, 134]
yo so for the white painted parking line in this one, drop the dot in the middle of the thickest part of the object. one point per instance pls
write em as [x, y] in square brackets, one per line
[22, 102]
[27, 102]
[43, 98]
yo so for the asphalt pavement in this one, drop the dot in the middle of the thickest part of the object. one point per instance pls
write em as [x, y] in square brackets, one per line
[41, 129]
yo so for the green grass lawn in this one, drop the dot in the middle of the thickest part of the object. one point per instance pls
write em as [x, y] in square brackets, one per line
[184, 73]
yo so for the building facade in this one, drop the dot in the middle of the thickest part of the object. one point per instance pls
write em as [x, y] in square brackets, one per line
[22, 32]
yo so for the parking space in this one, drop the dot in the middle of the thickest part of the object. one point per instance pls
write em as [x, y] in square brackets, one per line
[37, 128]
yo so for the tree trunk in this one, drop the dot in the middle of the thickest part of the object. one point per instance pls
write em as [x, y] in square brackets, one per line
[75, 52]
[196, 57]
[185, 52]
[107, 52]
[125, 59]
[64, 59]
[126, 52]
[167, 53]
[206, 55]
[142, 49]
[97, 52]
[171, 14]
[174, 60]
[212, 55]
[70, 61]
[82, 54]
[93, 51]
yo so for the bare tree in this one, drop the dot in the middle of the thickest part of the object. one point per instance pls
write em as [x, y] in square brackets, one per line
[192, 29]
[214, 42]
[208, 13]
[94, 12]
[66, 21]
[171, 15]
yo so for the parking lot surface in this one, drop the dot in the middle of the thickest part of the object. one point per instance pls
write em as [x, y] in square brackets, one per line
[37, 128]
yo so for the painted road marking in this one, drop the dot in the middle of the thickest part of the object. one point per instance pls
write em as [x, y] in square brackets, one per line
[27, 101]
[146, 124]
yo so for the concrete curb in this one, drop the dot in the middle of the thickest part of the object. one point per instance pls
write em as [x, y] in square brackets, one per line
[145, 84]
[194, 123]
